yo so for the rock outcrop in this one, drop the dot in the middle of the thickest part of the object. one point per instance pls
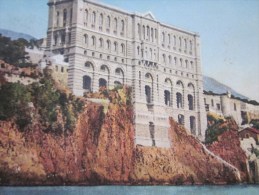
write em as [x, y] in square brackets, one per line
[101, 150]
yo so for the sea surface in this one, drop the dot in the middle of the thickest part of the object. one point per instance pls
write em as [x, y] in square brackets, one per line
[133, 190]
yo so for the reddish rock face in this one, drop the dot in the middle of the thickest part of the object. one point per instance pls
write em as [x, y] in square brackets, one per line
[228, 148]
[101, 151]
[185, 163]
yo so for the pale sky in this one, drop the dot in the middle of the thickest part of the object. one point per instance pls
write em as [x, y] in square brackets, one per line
[229, 31]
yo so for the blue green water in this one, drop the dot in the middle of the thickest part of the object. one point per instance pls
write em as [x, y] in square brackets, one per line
[134, 190]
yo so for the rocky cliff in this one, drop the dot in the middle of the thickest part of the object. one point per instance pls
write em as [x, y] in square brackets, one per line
[100, 150]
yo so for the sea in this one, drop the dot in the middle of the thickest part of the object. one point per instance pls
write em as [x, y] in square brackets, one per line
[134, 190]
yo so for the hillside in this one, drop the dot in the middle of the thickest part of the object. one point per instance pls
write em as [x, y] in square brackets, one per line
[16, 35]
[59, 141]
[211, 84]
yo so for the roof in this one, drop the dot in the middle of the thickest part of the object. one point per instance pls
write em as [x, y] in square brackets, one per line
[251, 129]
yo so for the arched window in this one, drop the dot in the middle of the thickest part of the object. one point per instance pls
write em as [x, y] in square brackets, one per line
[88, 65]
[64, 17]
[118, 71]
[122, 26]
[152, 34]
[181, 119]
[164, 58]
[102, 82]
[190, 46]
[115, 46]
[179, 100]
[169, 39]
[85, 39]
[167, 97]
[100, 42]
[115, 25]
[163, 37]
[55, 39]
[148, 33]
[86, 16]
[190, 102]
[139, 31]
[108, 45]
[193, 125]
[148, 94]
[93, 40]
[117, 84]
[93, 18]
[144, 32]
[180, 42]
[138, 50]
[122, 48]
[174, 40]
[108, 23]
[191, 62]
[87, 83]
[185, 44]
[101, 20]
[57, 17]
[235, 106]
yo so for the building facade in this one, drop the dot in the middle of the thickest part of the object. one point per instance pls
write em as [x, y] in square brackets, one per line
[106, 46]
[227, 106]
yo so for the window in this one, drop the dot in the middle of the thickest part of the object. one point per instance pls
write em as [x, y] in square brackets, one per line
[101, 20]
[87, 82]
[148, 94]
[71, 15]
[167, 98]
[163, 37]
[64, 17]
[62, 69]
[181, 119]
[88, 65]
[86, 16]
[152, 34]
[148, 32]
[212, 102]
[56, 68]
[179, 100]
[85, 38]
[181, 62]
[69, 38]
[190, 102]
[218, 106]
[138, 50]
[174, 40]
[185, 44]
[117, 84]
[144, 32]
[108, 24]
[55, 39]
[122, 48]
[93, 18]
[180, 42]
[118, 71]
[57, 17]
[115, 46]
[102, 82]
[193, 125]
[115, 25]
[108, 45]
[139, 33]
[100, 42]
[122, 26]
[93, 41]
[190, 46]
[169, 39]
[164, 58]
[235, 106]
[63, 38]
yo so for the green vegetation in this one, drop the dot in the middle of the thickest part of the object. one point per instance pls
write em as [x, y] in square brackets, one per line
[13, 52]
[56, 110]
[215, 129]
[255, 123]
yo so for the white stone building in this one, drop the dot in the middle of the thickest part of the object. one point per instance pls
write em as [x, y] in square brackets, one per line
[106, 46]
